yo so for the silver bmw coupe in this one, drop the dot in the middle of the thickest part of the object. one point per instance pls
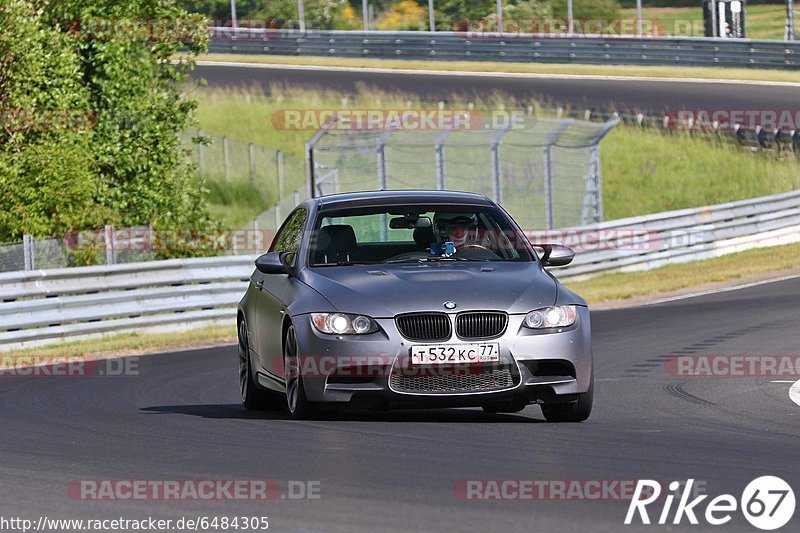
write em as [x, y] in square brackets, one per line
[408, 299]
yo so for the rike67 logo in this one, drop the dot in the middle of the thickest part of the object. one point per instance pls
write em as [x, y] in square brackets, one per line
[767, 503]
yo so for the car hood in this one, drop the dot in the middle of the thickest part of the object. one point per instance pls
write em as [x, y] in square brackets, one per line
[383, 291]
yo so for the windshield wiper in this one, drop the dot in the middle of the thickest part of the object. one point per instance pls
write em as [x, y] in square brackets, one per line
[345, 263]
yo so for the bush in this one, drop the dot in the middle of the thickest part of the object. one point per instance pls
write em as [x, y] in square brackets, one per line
[123, 163]
[404, 15]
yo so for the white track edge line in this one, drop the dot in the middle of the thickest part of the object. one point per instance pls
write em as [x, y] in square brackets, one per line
[723, 289]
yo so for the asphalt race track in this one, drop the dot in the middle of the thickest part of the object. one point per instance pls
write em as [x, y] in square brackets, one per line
[180, 418]
[629, 94]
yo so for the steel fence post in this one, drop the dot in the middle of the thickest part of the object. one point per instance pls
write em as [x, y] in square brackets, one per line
[496, 186]
[548, 187]
[439, 159]
[109, 241]
[226, 157]
[301, 15]
[598, 183]
[27, 252]
[639, 25]
[279, 157]
[200, 154]
[381, 162]
[251, 155]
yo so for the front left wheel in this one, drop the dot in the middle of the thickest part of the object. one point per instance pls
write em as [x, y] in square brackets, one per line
[296, 402]
[577, 411]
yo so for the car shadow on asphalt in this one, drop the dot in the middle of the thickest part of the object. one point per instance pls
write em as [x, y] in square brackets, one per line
[454, 415]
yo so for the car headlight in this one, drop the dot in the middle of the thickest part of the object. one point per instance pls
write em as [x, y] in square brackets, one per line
[551, 317]
[343, 324]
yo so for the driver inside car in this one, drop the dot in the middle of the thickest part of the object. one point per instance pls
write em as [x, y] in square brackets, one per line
[460, 229]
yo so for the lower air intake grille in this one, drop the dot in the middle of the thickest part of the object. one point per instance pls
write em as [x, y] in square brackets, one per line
[459, 381]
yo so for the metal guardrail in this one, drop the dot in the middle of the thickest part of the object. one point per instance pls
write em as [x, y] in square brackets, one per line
[466, 46]
[49, 305]
[651, 241]
[42, 306]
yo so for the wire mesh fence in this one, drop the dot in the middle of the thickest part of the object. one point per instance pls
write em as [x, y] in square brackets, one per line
[265, 171]
[544, 171]
[107, 246]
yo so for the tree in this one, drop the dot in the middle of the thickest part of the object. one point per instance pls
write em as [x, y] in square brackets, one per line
[108, 61]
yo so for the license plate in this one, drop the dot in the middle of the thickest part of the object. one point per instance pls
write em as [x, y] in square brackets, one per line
[434, 354]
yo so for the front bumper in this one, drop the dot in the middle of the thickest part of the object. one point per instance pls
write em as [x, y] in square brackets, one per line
[535, 365]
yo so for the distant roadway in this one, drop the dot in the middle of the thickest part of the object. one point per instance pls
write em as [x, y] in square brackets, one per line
[630, 94]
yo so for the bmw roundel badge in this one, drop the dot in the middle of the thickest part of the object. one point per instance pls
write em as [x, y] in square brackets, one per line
[450, 305]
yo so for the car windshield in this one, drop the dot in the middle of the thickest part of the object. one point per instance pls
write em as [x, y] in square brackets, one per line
[415, 234]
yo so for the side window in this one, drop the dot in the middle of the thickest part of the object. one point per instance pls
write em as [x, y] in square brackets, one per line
[290, 235]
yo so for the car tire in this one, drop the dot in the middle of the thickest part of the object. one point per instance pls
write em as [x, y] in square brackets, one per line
[254, 398]
[297, 404]
[577, 411]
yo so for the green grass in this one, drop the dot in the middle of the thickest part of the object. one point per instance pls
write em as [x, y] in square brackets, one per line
[761, 22]
[644, 171]
[735, 74]
[681, 276]
[234, 202]
[129, 344]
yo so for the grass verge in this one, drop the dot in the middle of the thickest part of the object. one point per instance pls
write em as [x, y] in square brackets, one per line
[671, 278]
[129, 344]
[719, 73]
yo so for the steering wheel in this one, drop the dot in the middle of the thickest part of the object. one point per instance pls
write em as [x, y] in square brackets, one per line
[478, 246]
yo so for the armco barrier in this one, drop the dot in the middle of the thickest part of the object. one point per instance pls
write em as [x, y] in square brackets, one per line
[42, 306]
[458, 46]
[48, 305]
[688, 235]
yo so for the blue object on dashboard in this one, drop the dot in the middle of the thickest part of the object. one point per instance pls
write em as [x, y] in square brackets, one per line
[449, 248]
[436, 248]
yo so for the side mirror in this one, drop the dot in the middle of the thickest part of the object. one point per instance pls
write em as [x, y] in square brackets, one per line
[556, 255]
[272, 263]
